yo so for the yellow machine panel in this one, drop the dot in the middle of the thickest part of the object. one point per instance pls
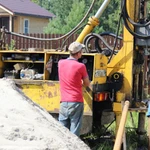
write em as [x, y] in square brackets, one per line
[47, 95]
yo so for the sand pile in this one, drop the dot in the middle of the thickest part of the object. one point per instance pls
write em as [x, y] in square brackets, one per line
[26, 126]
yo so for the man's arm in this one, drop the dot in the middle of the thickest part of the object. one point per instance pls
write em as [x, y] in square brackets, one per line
[86, 82]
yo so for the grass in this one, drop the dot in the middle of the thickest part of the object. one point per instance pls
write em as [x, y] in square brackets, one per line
[133, 140]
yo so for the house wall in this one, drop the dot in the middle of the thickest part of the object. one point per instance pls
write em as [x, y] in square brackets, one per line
[36, 25]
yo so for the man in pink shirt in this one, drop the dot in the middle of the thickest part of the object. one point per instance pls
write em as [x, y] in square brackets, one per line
[72, 75]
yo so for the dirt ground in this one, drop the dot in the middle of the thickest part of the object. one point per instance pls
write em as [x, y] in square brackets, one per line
[26, 126]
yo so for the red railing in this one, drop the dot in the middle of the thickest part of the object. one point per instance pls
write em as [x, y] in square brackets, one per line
[25, 43]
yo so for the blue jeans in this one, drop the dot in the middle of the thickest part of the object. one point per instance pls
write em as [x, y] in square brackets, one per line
[70, 115]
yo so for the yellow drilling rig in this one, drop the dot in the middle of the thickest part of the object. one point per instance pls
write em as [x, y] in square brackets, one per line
[118, 77]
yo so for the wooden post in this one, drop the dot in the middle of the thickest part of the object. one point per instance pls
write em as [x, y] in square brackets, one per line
[121, 130]
[148, 132]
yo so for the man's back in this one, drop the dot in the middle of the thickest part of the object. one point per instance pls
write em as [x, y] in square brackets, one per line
[71, 72]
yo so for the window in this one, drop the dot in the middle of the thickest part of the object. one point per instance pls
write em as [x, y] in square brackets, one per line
[26, 26]
[4, 21]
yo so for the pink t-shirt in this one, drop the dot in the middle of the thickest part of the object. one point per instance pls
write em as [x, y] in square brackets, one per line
[71, 72]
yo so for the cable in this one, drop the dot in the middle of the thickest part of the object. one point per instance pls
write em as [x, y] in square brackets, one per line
[118, 27]
[98, 48]
[107, 127]
[111, 34]
[98, 37]
[126, 17]
[54, 39]
[94, 35]
[131, 21]
[108, 34]
[134, 33]
[70, 36]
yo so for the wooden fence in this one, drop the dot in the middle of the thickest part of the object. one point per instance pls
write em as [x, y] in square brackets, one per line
[25, 43]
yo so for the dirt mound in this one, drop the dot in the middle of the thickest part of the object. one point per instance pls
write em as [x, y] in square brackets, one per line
[26, 126]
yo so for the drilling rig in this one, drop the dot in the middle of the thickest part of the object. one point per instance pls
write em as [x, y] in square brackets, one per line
[118, 77]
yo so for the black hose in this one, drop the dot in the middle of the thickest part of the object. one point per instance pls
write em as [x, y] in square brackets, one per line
[63, 44]
[118, 27]
[140, 36]
[111, 34]
[94, 35]
[126, 17]
[97, 46]
[131, 21]
[59, 38]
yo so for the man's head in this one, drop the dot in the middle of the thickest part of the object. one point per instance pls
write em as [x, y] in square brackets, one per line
[76, 47]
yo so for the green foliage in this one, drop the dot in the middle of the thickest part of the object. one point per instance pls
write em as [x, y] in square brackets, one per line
[70, 12]
[148, 10]
[54, 26]
[12, 45]
[109, 18]
[75, 15]
[35, 1]
[58, 25]
[43, 3]
[61, 8]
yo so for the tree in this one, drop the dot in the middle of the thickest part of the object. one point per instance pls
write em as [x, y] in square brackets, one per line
[35, 1]
[75, 15]
[61, 8]
[54, 26]
[43, 3]
[70, 12]
[109, 18]
[62, 26]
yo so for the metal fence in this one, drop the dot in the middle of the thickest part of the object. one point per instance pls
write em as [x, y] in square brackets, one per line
[21, 42]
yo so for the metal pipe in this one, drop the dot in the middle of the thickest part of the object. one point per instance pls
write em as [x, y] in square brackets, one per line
[120, 132]
[10, 23]
[102, 8]
[141, 126]
[93, 21]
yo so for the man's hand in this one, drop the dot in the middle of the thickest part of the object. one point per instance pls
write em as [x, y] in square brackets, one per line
[90, 87]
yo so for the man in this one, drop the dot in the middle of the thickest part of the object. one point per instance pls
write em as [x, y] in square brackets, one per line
[72, 75]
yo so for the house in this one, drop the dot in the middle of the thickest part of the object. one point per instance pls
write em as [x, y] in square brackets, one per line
[23, 16]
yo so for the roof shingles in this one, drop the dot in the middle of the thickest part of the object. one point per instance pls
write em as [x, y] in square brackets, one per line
[25, 7]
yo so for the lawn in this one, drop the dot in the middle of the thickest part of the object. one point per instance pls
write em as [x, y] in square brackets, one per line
[104, 138]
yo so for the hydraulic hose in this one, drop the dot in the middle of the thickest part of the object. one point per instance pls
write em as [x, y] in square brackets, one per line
[96, 38]
[59, 38]
[126, 17]
[94, 35]
[111, 34]
[131, 21]
[93, 21]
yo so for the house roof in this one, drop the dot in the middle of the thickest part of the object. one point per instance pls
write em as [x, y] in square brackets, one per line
[23, 7]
